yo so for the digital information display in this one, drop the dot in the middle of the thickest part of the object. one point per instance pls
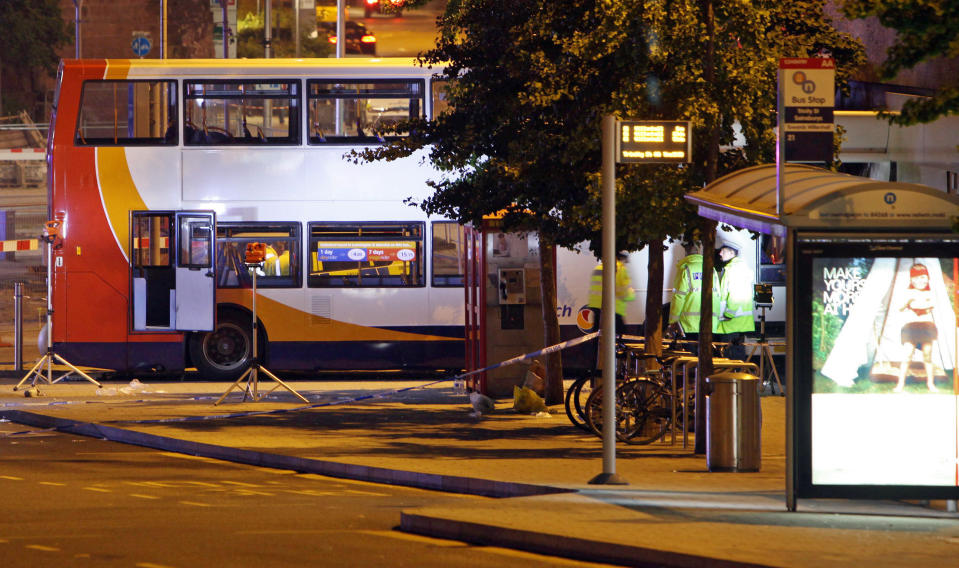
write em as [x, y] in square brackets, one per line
[876, 377]
[340, 251]
[653, 141]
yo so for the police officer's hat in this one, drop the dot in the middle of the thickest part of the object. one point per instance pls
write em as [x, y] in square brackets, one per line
[731, 241]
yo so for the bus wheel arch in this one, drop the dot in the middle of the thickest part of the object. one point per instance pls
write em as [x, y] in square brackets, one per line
[226, 352]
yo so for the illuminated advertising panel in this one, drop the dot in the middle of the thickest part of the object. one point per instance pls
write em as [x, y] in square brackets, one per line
[876, 378]
[365, 251]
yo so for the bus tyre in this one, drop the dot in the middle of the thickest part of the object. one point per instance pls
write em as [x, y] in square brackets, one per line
[225, 352]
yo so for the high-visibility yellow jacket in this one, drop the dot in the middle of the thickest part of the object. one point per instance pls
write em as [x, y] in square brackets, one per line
[624, 289]
[687, 293]
[733, 298]
[270, 265]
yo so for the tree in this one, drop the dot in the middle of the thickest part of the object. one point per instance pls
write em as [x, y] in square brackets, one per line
[715, 64]
[926, 30]
[532, 83]
[33, 31]
[511, 142]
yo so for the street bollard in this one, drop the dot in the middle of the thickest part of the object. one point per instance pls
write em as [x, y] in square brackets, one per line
[18, 326]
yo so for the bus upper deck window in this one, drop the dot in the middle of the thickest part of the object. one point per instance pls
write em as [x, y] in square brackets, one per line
[127, 113]
[253, 112]
[368, 111]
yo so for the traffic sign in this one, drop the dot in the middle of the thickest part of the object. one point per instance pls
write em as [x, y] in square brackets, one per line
[141, 44]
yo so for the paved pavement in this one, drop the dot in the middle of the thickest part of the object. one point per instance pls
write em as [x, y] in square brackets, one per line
[535, 469]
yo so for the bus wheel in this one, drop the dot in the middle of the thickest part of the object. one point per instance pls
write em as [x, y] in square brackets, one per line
[225, 352]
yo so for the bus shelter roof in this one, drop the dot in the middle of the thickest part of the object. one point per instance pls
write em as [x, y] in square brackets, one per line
[815, 198]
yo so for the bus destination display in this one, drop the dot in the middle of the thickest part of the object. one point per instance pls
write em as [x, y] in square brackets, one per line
[653, 141]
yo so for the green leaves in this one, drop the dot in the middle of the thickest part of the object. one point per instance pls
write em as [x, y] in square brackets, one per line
[533, 80]
[32, 33]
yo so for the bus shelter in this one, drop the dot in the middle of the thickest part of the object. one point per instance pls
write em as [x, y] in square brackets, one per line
[871, 344]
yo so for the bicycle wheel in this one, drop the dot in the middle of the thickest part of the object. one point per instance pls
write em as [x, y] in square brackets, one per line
[576, 396]
[593, 411]
[639, 407]
[649, 414]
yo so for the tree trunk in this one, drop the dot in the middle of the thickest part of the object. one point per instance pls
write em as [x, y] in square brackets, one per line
[653, 327]
[554, 361]
[705, 364]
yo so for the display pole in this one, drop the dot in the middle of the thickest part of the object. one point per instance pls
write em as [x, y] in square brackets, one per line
[607, 337]
[780, 146]
[254, 260]
[51, 235]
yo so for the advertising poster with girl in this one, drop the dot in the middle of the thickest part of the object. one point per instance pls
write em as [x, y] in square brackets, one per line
[884, 350]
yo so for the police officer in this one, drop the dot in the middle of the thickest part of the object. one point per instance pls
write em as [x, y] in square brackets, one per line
[687, 294]
[732, 297]
[624, 293]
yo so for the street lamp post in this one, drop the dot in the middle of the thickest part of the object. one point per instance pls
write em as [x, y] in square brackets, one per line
[76, 26]
[268, 29]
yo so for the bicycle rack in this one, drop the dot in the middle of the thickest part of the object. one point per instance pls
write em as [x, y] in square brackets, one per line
[689, 362]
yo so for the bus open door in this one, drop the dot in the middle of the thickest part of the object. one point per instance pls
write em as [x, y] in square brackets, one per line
[172, 270]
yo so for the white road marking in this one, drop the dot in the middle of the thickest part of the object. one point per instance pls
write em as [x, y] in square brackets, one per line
[42, 548]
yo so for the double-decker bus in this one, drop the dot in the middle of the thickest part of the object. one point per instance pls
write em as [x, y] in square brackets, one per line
[162, 171]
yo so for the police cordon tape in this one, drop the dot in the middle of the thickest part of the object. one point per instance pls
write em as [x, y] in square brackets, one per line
[383, 394]
[520, 358]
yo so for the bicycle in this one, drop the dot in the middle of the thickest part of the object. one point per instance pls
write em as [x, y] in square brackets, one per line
[644, 411]
[576, 399]
[581, 388]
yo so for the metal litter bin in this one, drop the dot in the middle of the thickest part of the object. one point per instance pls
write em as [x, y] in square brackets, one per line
[733, 421]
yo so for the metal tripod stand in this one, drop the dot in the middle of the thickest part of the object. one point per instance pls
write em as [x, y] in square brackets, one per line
[251, 375]
[765, 351]
[51, 236]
